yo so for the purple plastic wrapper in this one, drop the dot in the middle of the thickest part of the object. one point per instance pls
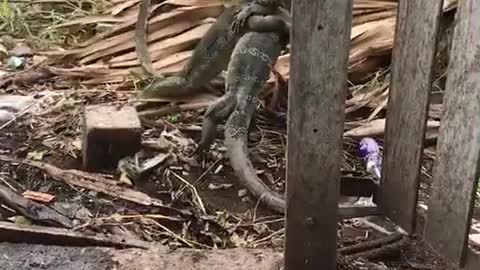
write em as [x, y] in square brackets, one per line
[369, 151]
[367, 146]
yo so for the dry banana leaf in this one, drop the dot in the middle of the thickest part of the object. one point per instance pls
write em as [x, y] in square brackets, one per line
[173, 32]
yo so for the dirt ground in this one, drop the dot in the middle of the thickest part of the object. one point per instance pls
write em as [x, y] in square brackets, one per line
[234, 231]
[28, 256]
[32, 257]
[257, 227]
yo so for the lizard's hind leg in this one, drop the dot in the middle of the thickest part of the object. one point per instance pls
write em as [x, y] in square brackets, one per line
[171, 86]
[215, 114]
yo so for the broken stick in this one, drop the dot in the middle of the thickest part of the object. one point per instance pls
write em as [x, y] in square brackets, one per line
[32, 210]
[16, 233]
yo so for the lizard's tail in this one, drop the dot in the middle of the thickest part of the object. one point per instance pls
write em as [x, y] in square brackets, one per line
[141, 47]
[236, 142]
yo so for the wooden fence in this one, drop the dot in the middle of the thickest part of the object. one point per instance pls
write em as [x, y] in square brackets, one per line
[320, 42]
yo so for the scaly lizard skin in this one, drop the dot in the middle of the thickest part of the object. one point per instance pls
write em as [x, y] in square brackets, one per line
[212, 53]
[223, 107]
[248, 71]
[141, 38]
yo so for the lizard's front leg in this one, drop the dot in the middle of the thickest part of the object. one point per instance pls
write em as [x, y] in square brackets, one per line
[269, 23]
[259, 9]
[241, 17]
[167, 87]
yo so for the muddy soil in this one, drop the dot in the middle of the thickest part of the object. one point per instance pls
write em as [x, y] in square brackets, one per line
[30, 257]
[36, 257]
[21, 139]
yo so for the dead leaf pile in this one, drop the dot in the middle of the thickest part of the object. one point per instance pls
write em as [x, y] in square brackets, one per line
[175, 27]
[172, 35]
[110, 56]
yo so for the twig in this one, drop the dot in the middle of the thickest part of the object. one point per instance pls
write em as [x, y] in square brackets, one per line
[194, 190]
[8, 184]
[149, 216]
[388, 250]
[371, 244]
[153, 216]
[380, 107]
[94, 182]
[32, 210]
[366, 223]
[256, 208]
[7, 78]
[183, 240]
[196, 181]
[256, 242]
[19, 114]
[205, 172]
[11, 232]
[262, 222]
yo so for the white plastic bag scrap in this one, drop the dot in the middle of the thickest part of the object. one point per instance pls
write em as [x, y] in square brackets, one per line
[5, 116]
[12, 104]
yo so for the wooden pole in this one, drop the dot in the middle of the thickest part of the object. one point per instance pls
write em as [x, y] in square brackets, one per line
[410, 86]
[456, 170]
[320, 40]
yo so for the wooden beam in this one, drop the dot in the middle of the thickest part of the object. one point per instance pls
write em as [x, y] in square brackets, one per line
[413, 55]
[357, 186]
[320, 41]
[34, 234]
[472, 260]
[358, 211]
[456, 170]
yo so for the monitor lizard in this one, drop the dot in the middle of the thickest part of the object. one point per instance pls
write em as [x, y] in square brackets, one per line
[251, 63]
[249, 69]
[222, 107]
[212, 53]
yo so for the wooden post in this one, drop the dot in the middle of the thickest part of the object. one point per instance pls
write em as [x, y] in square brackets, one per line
[320, 40]
[456, 170]
[472, 261]
[411, 81]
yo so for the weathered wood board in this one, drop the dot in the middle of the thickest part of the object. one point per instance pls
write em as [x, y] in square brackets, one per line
[455, 174]
[320, 40]
[411, 83]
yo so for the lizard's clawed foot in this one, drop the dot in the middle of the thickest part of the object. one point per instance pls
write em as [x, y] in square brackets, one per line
[240, 19]
[279, 85]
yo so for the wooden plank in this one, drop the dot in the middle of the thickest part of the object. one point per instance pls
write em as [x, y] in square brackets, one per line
[34, 234]
[358, 211]
[320, 41]
[472, 261]
[413, 55]
[456, 169]
[357, 186]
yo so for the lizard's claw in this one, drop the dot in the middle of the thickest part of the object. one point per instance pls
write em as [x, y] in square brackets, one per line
[240, 19]
[280, 83]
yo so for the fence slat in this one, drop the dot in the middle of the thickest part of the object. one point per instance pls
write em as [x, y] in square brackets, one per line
[472, 260]
[411, 81]
[320, 41]
[455, 174]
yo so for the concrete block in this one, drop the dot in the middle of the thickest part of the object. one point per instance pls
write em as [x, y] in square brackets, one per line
[109, 134]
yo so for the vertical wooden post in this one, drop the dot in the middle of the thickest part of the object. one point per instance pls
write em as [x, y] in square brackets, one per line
[411, 81]
[472, 260]
[320, 40]
[456, 171]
